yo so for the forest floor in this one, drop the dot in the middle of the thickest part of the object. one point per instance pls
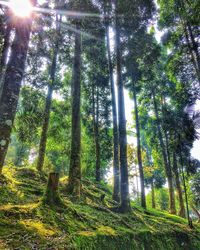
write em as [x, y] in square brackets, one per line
[26, 223]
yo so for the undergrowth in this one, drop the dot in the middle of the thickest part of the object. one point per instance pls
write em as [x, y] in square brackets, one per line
[27, 223]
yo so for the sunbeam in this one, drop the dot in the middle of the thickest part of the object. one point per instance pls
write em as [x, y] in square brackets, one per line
[21, 8]
[18, 7]
[72, 28]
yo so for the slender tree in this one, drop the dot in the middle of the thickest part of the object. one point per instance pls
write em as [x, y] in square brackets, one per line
[51, 85]
[139, 153]
[125, 199]
[74, 182]
[116, 172]
[168, 169]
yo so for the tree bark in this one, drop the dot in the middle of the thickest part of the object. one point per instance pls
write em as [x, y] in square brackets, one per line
[52, 196]
[168, 170]
[153, 195]
[96, 140]
[178, 187]
[74, 183]
[139, 153]
[125, 199]
[185, 188]
[116, 188]
[4, 55]
[47, 111]
[12, 84]
[43, 138]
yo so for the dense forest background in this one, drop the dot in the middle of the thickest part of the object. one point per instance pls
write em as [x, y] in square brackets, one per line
[63, 71]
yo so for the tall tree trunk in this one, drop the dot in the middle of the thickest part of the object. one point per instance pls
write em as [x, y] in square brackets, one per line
[12, 84]
[43, 138]
[4, 55]
[185, 188]
[116, 189]
[153, 195]
[168, 170]
[74, 183]
[97, 145]
[125, 199]
[178, 187]
[95, 117]
[95, 114]
[47, 111]
[139, 153]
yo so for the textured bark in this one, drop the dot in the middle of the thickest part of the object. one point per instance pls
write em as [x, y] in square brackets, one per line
[48, 102]
[96, 140]
[153, 195]
[168, 170]
[74, 184]
[125, 199]
[95, 117]
[139, 153]
[12, 84]
[52, 196]
[116, 188]
[43, 138]
[178, 187]
[4, 55]
[185, 189]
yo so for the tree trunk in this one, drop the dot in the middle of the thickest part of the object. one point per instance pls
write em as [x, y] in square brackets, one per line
[116, 189]
[74, 184]
[43, 138]
[153, 195]
[52, 196]
[178, 187]
[95, 117]
[96, 139]
[47, 111]
[4, 55]
[185, 188]
[12, 84]
[139, 153]
[168, 170]
[125, 199]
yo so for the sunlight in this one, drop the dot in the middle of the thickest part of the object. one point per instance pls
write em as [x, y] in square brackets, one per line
[21, 8]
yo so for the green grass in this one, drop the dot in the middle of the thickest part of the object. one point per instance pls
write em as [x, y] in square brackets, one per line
[26, 223]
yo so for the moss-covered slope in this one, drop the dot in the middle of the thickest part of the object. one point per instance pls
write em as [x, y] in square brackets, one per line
[26, 223]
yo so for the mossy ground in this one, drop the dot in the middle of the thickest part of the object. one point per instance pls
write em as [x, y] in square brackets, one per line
[26, 223]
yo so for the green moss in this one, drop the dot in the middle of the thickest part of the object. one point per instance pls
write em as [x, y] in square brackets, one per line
[26, 222]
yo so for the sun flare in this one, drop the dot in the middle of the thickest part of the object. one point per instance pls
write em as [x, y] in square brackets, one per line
[21, 8]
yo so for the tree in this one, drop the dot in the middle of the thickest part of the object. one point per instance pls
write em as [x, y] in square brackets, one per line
[125, 200]
[51, 86]
[74, 183]
[116, 171]
[13, 78]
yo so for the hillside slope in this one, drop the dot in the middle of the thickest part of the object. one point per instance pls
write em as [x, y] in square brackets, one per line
[26, 223]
